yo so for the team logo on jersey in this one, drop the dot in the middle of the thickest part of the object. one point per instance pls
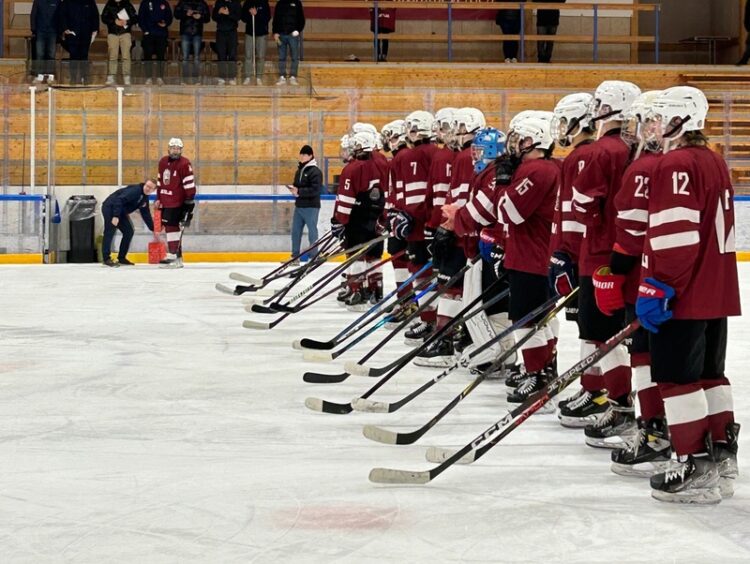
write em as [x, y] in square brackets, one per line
[166, 176]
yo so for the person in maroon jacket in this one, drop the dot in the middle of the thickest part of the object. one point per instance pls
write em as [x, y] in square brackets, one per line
[593, 205]
[175, 195]
[689, 288]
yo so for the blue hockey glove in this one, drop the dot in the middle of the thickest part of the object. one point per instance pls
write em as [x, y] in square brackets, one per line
[561, 274]
[652, 306]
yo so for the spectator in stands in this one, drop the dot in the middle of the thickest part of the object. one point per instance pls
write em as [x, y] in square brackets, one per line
[547, 22]
[510, 24]
[288, 23]
[119, 16]
[79, 20]
[192, 15]
[154, 18]
[308, 182]
[44, 31]
[256, 14]
[386, 25]
[227, 16]
[746, 55]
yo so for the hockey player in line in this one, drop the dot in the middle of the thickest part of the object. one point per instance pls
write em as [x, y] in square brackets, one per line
[116, 210]
[689, 248]
[175, 196]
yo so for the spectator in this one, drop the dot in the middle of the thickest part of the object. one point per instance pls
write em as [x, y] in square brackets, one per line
[386, 25]
[746, 55]
[510, 24]
[192, 15]
[308, 181]
[79, 20]
[227, 15]
[44, 30]
[256, 14]
[119, 16]
[547, 22]
[116, 210]
[154, 18]
[288, 23]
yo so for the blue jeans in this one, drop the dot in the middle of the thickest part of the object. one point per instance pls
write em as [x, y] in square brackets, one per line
[302, 217]
[46, 43]
[190, 44]
[287, 41]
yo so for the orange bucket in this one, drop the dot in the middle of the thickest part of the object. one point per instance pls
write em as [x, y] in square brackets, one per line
[157, 249]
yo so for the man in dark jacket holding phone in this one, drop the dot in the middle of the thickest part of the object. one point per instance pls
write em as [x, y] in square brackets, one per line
[79, 20]
[288, 23]
[154, 18]
[116, 210]
[227, 15]
[308, 182]
[192, 15]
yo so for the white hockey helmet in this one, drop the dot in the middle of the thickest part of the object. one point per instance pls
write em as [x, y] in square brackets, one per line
[345, 148]
[534, 129]
[611, 99]
[176, 142]
[513, 138]
[571, 116]
[391, 133]
[634, 131]
[678, 110]
[363, 142]
[468, 120]
[443, 122]
[418, 124]
[370, 128]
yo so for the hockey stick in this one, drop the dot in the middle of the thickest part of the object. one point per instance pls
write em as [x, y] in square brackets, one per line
[316, 404]
[500, 429]
[354, 326]
[325, 356]
[386, 436]
[250, 324]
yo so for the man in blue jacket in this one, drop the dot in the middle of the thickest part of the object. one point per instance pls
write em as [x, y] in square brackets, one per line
[154, 18]
[116, 210]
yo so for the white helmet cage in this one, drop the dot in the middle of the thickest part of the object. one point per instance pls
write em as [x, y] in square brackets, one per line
[680, 109]
[391, 132]
[176, 142]
[634, 131]
[520, 117]
[443, 124]
[571, 116]
[362, 142]
[419, 124]
[535, 128]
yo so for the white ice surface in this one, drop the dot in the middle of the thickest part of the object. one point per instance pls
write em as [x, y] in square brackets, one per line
[139, 422]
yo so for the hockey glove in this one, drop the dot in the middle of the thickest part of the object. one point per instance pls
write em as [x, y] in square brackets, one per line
[491, 251]
[608, 290]
[562, 274]
[504, 169]
[441, 245]
[401, 224]
[338, 229]
[652, 307]
[429, 234]
[187, 212]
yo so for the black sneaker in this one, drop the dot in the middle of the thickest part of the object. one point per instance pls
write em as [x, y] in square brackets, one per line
[726, 457]
[689, 479]
[418, 333]
[110, 262]
[533, 382]
[124, 262]
[613, 428]
[583, 409]
[439, 354]
[647, 453]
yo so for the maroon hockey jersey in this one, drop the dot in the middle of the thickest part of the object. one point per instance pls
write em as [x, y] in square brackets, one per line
[478, 212]
[176, 182]
[690, 237]
[439, 183]
[414, 172]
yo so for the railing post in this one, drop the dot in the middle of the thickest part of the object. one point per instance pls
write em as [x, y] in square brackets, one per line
[375, 27]
[596, 33]
[657, 33]
[450, 31]
[522, 51]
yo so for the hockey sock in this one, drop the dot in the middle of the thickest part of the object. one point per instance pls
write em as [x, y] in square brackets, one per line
[535, 351]
[616, 374]
[401, 273]
[720, 407]
[449, 305]
[649, 397]
[173, 239]
[686, 408]
[591, 380]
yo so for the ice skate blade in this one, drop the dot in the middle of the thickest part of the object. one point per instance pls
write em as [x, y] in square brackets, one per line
[704, 496]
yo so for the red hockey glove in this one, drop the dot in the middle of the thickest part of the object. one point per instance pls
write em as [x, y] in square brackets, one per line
[608, 290]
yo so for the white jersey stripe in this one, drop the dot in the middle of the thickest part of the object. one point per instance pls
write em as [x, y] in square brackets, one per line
[674, 214]
[675, 240]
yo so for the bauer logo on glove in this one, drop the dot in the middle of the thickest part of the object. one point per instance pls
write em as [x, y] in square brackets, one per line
[652, 306]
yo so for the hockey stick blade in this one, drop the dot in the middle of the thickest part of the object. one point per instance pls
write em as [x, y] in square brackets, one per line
[282, 308]
[362, 404]
[246, 279]
[224, 289]
[358, 369]
[250, 300]
[312, 355]
[438, 455]
[390, 476]
[258, 308]
[318, 378]
[306, 343]
[324, 406]
[250, 324]
[379, 435]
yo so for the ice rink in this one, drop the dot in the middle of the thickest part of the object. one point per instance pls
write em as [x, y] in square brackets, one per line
[142, 423]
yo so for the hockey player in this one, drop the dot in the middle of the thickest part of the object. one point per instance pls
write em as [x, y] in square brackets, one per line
[359, 205]
[594, 192]
[688, 289]
[175, 196]
[572, 127]
[616, 287]
[449, 255]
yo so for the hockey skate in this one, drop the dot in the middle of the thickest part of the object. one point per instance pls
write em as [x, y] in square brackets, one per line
[689, 479]
[171, 261]
[439, 354]
[399, 315]
[418, 332]
[726, 457]
[533, 383]
[358, 301]
[613, 428]
[647, 453]
[582, 409]
[343, 295]
[515, 377]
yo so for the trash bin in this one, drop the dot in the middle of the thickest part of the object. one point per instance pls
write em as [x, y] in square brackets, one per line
[81, 214]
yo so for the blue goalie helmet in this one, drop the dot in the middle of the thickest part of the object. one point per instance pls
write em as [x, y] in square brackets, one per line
[488, 144]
